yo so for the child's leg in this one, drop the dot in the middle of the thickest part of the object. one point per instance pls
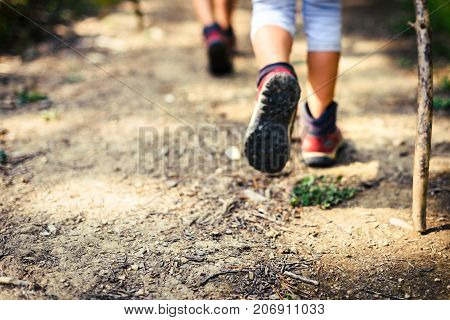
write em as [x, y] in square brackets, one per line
[322, 72]
[322, 20]
[204, 11]
[223, 12]
[271, 44]
[320, 136]
[219, 37]
[273, 28]
[268, 137]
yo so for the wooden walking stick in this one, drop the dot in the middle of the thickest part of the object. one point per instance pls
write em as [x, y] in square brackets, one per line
[424, 116]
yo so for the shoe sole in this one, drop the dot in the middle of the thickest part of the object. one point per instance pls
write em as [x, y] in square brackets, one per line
[321, 159]
[219, 59]
[268, 139]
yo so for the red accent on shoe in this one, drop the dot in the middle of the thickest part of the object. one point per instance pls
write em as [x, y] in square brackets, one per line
[324, 146]
[214, 36]
[269, 75]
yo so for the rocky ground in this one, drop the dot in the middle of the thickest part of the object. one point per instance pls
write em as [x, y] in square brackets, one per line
[126, 183]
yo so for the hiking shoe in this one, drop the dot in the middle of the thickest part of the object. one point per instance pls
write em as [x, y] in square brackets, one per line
[231, 40]
[268, 137]
[218, 50]
[321, 138]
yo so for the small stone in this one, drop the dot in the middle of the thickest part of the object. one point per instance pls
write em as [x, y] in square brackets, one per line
[156, 33]
[233, 153]
[407, 296]
[140, 292]
[437, 280]
[141, 252]
[254, 196]
[96, 57]
[401, 223]
[104, 272]
[51, 228]
[400, 280]
[183, 260]
[169, 98]
[135, 267]
[272, 233]
[251, 276]
[216, 233]
[228, 231]
[138, 184]
[200, 253]
[121, 277]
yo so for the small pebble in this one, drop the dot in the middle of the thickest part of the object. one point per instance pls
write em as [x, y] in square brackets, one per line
[233, 153]
[135, 267]
[140, 292]
[169, 98]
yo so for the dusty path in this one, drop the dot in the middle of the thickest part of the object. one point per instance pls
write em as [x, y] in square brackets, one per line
[78, 219]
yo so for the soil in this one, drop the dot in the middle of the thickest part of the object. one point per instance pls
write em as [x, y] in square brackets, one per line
[92, 206]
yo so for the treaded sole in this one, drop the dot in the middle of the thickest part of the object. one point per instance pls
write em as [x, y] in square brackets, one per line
[267, 146]
[219, 59]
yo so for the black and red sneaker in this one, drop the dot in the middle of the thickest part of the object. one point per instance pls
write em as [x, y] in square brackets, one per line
[231, 40]
[218, 50]
[268, 137]
[321, 138]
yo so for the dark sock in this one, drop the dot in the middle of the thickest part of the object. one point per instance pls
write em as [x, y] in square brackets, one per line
[270, 67]
[210, 28]
[326, 123]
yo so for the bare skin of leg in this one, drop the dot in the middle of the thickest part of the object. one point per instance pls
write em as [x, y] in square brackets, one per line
[210, 11]
[273, 44]
[322, 73]
[204, 11]
[223, 10]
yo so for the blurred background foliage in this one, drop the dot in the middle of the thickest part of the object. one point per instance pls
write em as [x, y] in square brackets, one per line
[440, 24]
[17, 33]
[440, 18]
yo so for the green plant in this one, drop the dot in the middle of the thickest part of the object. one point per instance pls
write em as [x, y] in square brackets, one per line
[441, 103]
[440, 13]
[26, 96]
[3, 156]
[444, 84]
[322, 191]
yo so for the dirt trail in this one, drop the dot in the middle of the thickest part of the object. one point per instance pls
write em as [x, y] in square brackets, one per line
[81, 217]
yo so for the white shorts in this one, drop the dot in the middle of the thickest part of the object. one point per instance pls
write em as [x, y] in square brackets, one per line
[321, 19]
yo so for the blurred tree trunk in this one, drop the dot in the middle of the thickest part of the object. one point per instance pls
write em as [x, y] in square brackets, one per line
[138, 13]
